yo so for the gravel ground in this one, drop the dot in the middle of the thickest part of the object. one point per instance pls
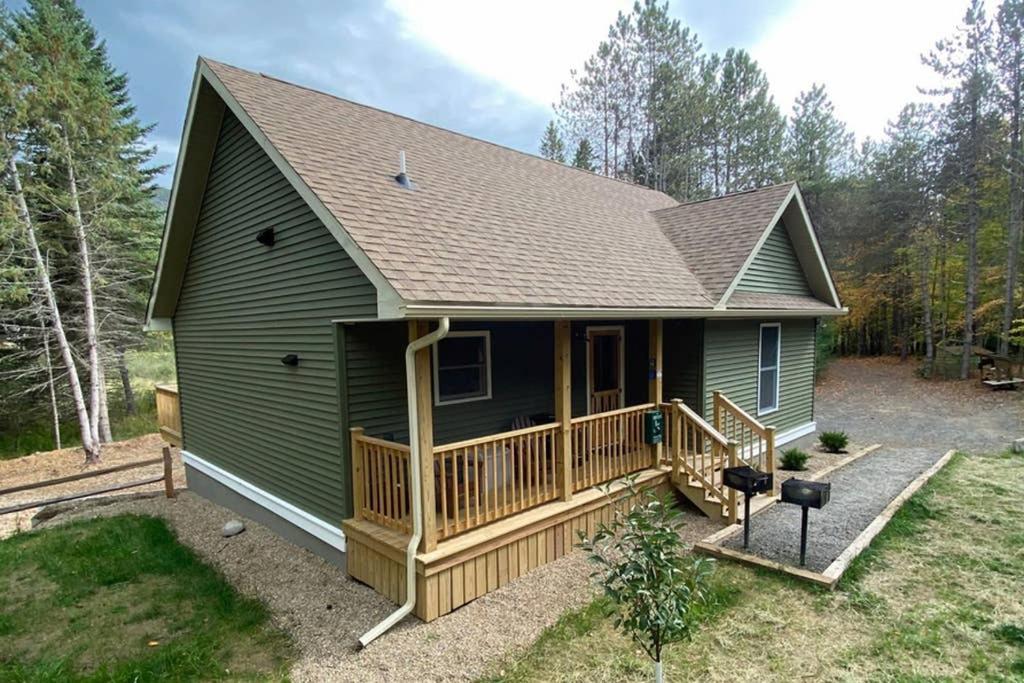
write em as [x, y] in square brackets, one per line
[873, 400]
[860, 491]
[53, 464]
[325, 612]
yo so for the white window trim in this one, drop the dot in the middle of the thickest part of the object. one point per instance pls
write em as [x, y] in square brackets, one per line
[621, 329]
[778, 368]
[486, 334]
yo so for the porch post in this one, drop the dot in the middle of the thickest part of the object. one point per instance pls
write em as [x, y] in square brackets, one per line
[563, 407]
[358, 485]
[425, 408]
[656, 344]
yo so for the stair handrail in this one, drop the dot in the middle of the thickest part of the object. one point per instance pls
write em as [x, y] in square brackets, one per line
[764, 433]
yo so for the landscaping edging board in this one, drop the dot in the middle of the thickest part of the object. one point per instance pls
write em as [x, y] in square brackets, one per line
[733, 529]
[829, 577]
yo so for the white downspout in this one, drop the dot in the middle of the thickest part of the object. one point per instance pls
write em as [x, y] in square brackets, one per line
[417, 489]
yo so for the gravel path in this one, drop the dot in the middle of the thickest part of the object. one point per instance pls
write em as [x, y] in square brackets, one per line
[860, 491]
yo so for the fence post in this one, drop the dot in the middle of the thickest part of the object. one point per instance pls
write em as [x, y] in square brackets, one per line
[563, 407]
[358, 485]
[733, 462]
[676, 444]
[769, 437]
[168, 473]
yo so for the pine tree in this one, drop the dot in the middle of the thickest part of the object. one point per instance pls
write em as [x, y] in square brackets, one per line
[1010, 62]
[584, 156]
[965, 63]
[551, 145]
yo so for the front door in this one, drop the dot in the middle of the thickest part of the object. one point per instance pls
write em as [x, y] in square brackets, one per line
[605, 390]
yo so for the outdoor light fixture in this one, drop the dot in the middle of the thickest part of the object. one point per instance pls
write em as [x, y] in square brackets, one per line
[749, 482]
[806, 494]
[291, 360]
[266, 236]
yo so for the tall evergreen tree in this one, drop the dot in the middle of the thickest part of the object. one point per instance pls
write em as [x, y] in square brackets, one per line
[1010, 63]
[965, 63]
[551, 145]
[584, 156]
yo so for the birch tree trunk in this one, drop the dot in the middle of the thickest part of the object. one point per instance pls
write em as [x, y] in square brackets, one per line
[104, 420]
[89, 444]
[88, 303]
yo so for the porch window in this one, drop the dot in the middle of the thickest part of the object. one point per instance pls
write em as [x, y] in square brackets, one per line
[462, 368]
[769, 353]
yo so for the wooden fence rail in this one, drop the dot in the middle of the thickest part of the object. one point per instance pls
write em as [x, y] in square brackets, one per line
[481, 480]
[167, 477]
[755, 442]
[168, 413]
[381, 481]
[609, 445]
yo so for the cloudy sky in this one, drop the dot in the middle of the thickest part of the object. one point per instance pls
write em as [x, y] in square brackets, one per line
[493, 69]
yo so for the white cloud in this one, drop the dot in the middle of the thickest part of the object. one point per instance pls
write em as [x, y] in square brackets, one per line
[528, 45]
[867, 53]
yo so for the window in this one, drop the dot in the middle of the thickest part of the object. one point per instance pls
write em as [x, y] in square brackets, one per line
[769, 353]
[462, 368]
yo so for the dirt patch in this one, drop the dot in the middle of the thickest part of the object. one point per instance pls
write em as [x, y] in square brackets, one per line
[53, 464]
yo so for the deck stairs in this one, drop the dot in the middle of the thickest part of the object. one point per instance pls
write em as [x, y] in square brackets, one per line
[699, 452]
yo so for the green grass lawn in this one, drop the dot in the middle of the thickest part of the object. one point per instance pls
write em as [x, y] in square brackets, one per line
[937, 597]
[119, 599]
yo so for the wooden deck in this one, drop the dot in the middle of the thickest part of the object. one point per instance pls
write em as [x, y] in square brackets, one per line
[483, 560]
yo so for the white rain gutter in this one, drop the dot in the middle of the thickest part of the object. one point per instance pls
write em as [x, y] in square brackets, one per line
[417, 489]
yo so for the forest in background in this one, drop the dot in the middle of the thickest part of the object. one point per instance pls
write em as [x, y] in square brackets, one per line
[922, 228]
[80, 225]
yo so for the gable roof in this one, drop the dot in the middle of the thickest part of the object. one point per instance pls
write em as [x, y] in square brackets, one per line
[484, 227]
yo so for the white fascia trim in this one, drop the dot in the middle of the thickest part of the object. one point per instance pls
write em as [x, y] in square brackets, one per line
[329, 534]
[179, 164]
[795, 433]
[474, 312]
[388, 298]
[757, 247]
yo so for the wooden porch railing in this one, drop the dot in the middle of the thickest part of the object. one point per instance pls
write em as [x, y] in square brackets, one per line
[755, 442]
[609, 445]
[700, 453]
[168, 413]
[481, 480]
[381, 481]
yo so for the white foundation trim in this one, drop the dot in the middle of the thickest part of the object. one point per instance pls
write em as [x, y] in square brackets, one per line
[795, 433]
[331, 535]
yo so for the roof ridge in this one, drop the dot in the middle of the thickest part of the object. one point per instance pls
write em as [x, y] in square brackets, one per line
[433, 125]
[738, 193]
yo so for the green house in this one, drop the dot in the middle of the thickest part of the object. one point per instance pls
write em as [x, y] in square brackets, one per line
[382, 325]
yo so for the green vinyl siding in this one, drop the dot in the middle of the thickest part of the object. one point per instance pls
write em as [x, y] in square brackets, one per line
[776, 268]
[522, 381]
[683, 350]
[522, 377]
[243, 306]
[730, 366]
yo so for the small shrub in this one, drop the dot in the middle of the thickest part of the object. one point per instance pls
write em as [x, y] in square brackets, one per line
[794, 459]
[656, 590]
[833, 442]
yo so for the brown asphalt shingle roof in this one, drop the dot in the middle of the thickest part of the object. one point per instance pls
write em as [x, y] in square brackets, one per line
[485, 224]
[715, 236]
[767, 301]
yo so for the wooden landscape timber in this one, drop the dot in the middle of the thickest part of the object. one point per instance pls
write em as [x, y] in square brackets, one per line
[829, 578]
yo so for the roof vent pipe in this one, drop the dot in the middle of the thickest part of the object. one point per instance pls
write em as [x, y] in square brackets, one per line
[403, 178]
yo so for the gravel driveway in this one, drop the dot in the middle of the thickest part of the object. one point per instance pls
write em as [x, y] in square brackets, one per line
[875, 401]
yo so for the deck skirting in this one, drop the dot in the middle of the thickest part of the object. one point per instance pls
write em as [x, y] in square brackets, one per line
[483, 560]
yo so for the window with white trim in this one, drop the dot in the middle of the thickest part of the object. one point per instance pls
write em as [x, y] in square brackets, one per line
[769, 355]
[462, 368]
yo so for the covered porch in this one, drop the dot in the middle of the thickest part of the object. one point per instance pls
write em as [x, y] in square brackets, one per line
[498, 504]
